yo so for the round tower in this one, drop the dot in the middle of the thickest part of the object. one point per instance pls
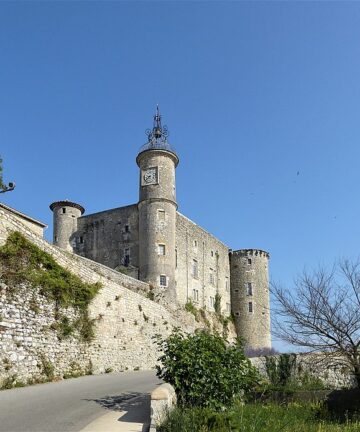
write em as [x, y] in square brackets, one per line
[157, 206]
[66, 214]
[250, 297]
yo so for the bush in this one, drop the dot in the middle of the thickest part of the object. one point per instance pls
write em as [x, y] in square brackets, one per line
[204, 370]
[22, 261]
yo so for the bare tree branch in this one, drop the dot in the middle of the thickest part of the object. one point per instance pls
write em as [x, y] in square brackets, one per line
[322, 314]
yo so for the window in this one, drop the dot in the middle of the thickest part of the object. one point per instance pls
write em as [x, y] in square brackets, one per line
[195, 295]
[127, 228]
[163, 280]
[212, 302]
[228, 307]
[126, 257]
[249, 261]
[211, 277]
[161, 215]
[81, 239]
[250, 307]
[195, 243]
[212, 253]
[161, 249]
[195, 269]
[56, 238]
[249, 289]
[227, 287]
[64, 210]
[175, 258]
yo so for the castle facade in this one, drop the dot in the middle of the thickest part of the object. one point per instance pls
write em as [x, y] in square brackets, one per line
[153, 242]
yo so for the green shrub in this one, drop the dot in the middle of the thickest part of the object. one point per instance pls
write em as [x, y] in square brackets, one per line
[189, 307]
[280, 370]
[22, 261]
[217, 303]
[47, 367]
[204, 370]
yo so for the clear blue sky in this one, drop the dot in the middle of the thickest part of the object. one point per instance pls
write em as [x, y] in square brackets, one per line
[262, 100]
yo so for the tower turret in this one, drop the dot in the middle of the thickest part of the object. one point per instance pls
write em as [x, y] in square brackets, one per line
[66, 214]
[157, 206]
[250, 298]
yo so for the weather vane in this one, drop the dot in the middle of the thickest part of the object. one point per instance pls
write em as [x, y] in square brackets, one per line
[158, 133]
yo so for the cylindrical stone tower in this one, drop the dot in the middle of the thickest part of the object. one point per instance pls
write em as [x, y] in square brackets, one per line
[250, 297]
[157, 206]
[66, 214]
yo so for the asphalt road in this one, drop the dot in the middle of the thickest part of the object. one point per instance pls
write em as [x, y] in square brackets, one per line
[70, 405]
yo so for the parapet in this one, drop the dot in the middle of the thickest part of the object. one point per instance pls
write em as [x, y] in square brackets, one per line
[251, 252]
[66, 203]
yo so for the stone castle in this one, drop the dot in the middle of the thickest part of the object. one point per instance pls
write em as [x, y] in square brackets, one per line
[154, 243]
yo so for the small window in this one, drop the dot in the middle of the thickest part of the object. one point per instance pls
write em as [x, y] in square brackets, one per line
[249, 289]
[56, 238]
[195, 295]
[227, 287]
[126, 257]
[64, 210]
[211, 277]
[237, 313]
[81, 239]
[161, 249]
[212, 253]
[195, 243]
[228, 307]
[127, 228]
[161, 215]
[195, 269]
[212, 302]
[249, 261]
[162, 280]
[175, 258]
[250, 307]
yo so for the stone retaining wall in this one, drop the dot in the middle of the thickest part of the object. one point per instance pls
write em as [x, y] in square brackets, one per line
[125, 322]
[312, 366]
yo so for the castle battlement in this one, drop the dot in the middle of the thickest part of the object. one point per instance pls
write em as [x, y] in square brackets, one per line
[251, 252]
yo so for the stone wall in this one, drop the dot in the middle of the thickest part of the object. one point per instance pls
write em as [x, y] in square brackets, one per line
[195, 246]
[106, 236]
[125, 322]
[313, 366]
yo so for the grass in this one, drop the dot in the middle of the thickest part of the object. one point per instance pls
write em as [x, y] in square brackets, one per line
[22, 261]
[256, 418]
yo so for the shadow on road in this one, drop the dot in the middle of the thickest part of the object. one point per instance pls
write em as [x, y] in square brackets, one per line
[135, 406]
[115, 403]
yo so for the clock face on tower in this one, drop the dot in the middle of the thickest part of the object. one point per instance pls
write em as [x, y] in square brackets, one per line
[150, 176]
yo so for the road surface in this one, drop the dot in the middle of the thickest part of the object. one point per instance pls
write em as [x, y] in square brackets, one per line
[70, 405]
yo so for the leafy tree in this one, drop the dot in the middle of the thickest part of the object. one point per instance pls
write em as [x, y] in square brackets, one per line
[322, 314]
[204, 370]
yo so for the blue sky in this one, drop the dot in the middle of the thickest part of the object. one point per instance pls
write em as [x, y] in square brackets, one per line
[262, 100]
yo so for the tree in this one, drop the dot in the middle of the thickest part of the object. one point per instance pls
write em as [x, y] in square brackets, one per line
[322, 314]
[1, 175]
[3, 186]
[204, 370]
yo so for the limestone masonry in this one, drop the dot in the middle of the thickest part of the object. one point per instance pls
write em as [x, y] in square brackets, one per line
[154, 243]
